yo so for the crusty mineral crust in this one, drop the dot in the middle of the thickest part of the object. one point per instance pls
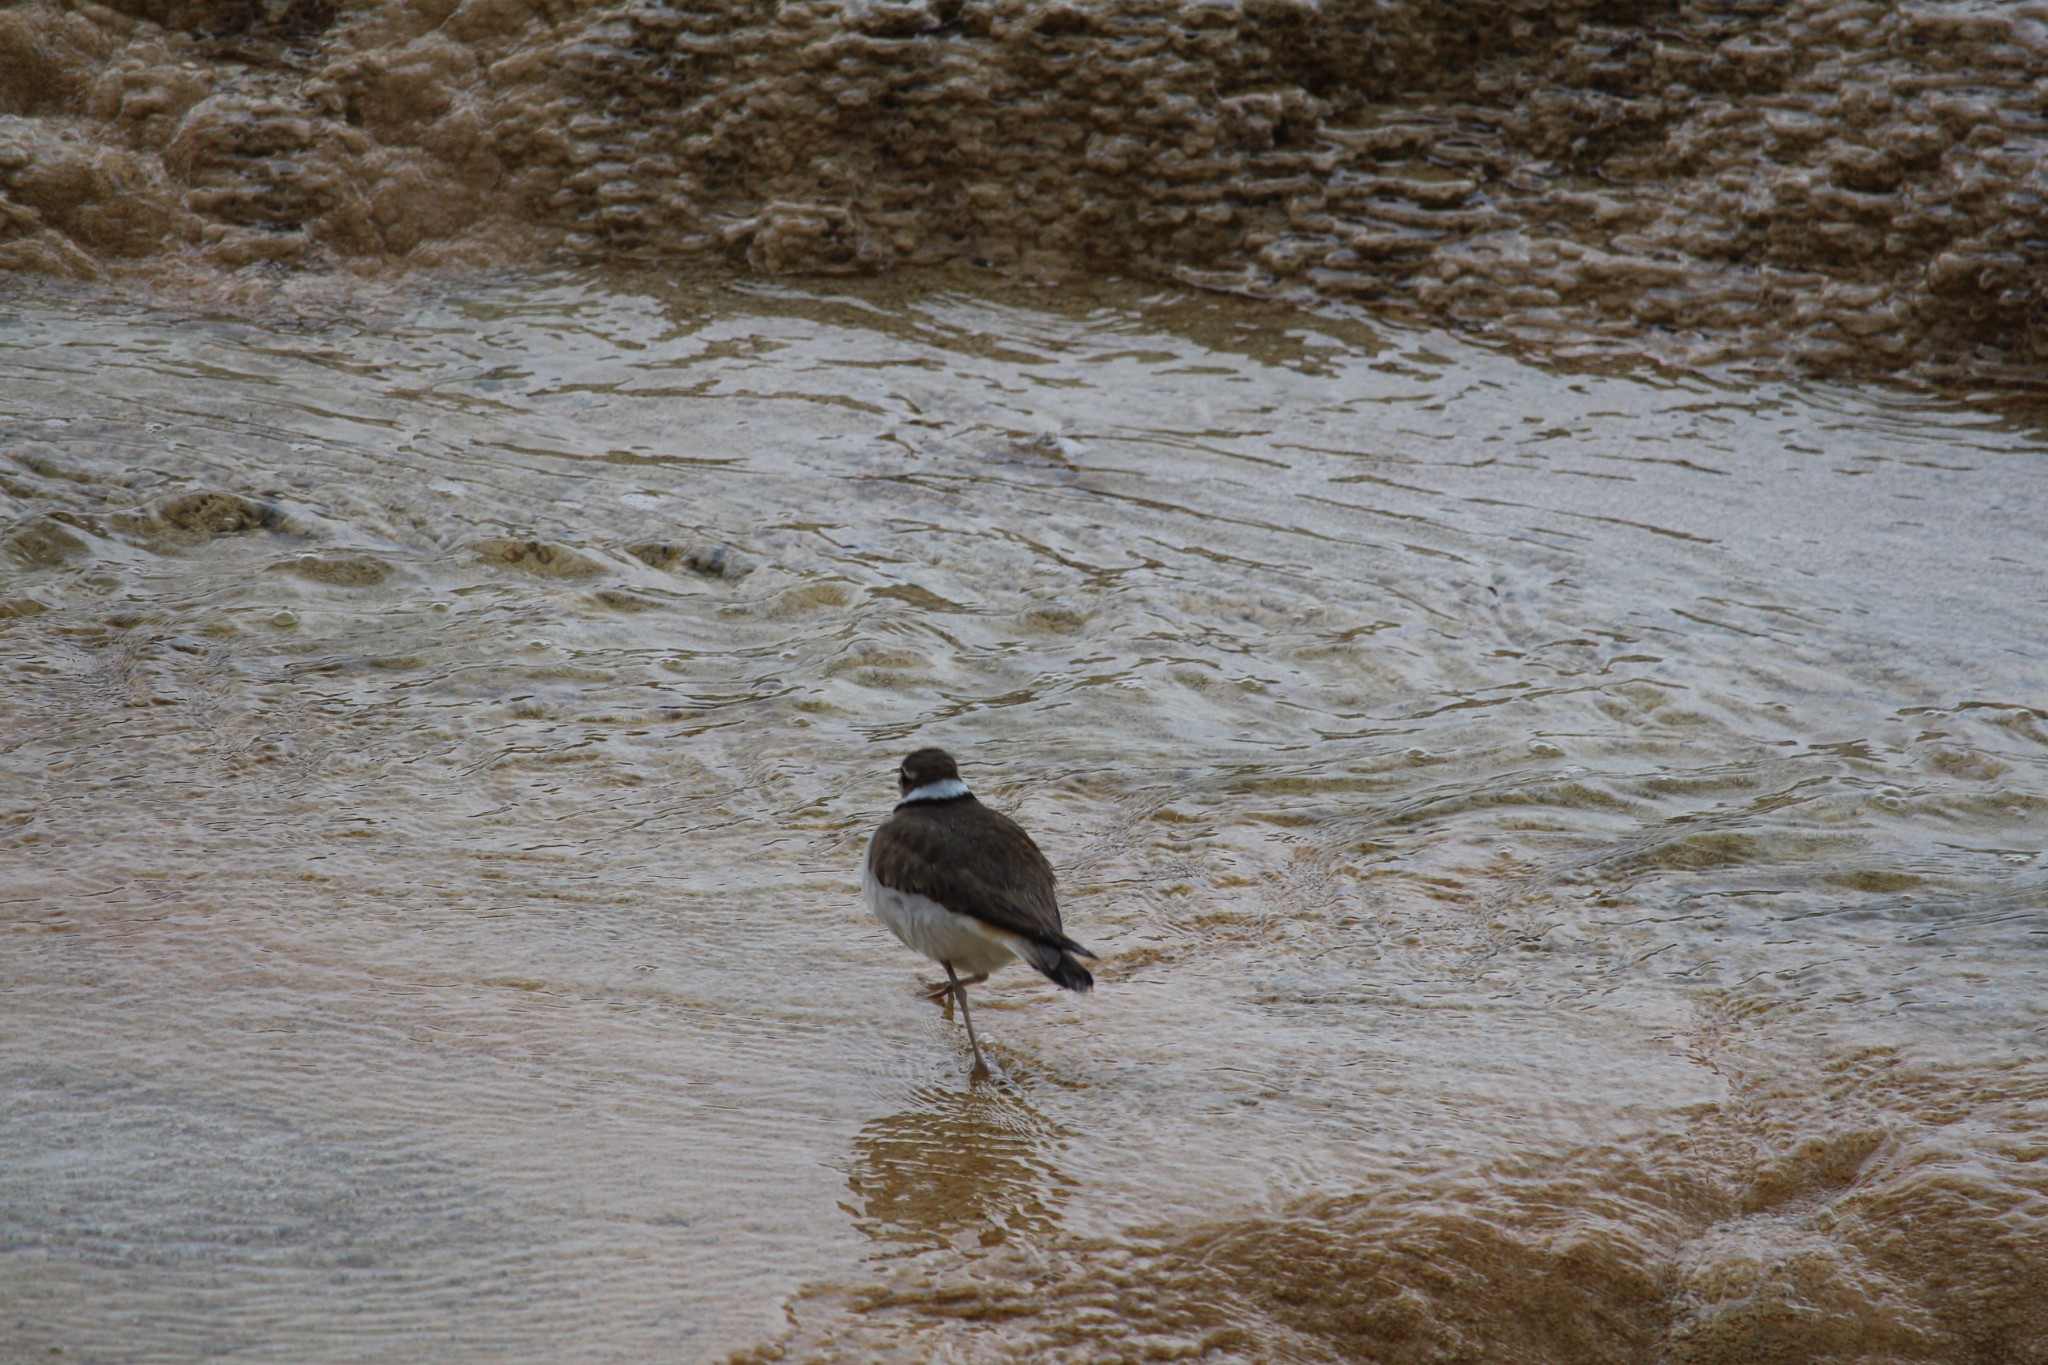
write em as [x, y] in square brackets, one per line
[1850, 187]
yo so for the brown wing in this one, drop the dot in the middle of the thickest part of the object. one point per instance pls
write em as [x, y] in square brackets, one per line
[974, 861]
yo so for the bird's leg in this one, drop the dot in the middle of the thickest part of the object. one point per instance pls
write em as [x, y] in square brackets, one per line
[944, 990]
[959, 989]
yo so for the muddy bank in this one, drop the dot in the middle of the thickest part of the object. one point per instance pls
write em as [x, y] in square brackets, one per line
[1854, 187]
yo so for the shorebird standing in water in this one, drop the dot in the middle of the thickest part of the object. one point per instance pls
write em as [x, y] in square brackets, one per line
[965, 886]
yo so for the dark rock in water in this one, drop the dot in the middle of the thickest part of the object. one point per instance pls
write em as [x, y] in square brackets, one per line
[211, 512]
[184, 520]
[618, 599]
[41, 543]
[337, 570]
[541, 557]
[712, 561]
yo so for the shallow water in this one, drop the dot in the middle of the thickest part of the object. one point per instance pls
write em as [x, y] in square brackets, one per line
[1566, 849]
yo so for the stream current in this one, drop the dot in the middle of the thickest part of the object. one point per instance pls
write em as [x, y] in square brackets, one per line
[1565, 848]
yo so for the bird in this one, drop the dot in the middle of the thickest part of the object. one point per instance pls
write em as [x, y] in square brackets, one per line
[965, 886]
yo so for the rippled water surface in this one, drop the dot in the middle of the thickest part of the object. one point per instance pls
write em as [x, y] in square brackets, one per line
[1566, 850]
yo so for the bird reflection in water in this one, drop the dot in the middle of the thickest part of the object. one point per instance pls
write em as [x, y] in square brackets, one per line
[957, 1164]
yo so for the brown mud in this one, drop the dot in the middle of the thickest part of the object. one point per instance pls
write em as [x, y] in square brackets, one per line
[1839, 187]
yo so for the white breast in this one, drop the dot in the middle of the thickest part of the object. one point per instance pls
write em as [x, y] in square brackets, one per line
[922, 923]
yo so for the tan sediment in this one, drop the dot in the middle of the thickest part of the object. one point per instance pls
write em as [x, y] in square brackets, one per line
[1762, 1231]
[1849, 186]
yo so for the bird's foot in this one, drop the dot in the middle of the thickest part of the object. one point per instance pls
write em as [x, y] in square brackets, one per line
[942, 994]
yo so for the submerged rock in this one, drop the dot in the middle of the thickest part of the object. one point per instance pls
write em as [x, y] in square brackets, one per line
[710, 560]
[41, 542]
[543, 558]
[185, 520]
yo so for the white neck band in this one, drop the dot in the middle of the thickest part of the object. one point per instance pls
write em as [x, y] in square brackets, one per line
[945, 789]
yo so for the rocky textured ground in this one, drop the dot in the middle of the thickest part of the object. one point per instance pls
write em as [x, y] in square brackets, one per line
[1842, 186]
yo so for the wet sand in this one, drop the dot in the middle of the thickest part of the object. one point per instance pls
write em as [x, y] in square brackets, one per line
[1566, 848]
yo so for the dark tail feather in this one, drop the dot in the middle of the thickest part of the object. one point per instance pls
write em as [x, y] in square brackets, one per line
[1069, 974]
[1062, 941]
[1060, 966]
